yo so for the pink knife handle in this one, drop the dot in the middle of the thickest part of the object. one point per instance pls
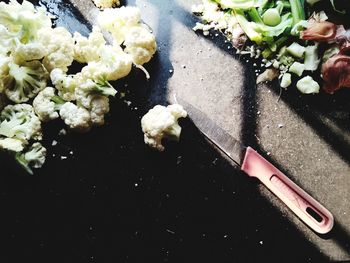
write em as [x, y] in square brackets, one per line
[311, 212]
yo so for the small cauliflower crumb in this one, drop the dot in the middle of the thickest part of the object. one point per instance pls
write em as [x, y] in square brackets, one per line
[106, 3]
[162, 122]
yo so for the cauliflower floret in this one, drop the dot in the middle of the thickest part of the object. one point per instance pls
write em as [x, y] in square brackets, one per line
[106, 3]
[77, 118]
[93, 95]
[90, 89]
[11, 144]
[141, 44]
[162, 122]
[118, 20]
[24, 19]
[65, 84]
[25, 81]
[59, 45]
[34, 157]
[87, 49]
[30, 51]
[99, 107]
[20, 122]
[46, 104]
[114, 64]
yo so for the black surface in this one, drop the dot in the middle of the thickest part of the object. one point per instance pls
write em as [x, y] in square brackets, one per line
[115, 200]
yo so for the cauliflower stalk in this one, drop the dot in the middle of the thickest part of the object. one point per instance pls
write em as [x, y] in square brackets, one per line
[162, 122]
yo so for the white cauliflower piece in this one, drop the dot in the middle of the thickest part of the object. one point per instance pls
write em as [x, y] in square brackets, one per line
[99, 107]
[162, 122]
[24, 19]
[65, 84]
[89, 89]
[25, 81]
[106, 3]
[59, 45]
[93, 95]
[11, 144]
[46, 104]
[141, 44]
[118, 20]
[30, 51]
[113, 65]
[76, 118]
[87, 49]
[20, 122]
[33, 157]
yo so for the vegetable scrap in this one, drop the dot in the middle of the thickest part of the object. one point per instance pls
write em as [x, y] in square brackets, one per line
[295, 42]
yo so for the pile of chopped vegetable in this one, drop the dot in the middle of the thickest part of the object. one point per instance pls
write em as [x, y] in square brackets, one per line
[295, 42]
[35, 84]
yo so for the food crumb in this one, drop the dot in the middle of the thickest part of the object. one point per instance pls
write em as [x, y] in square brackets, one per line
[54, 143]
[62, 132]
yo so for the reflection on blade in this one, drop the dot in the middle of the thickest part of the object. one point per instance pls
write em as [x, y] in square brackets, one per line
[224, 141]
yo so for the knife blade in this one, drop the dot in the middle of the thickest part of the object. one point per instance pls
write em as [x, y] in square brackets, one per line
[310, 211]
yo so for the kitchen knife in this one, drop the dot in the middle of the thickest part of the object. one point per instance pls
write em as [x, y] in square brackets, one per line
[311, 212]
